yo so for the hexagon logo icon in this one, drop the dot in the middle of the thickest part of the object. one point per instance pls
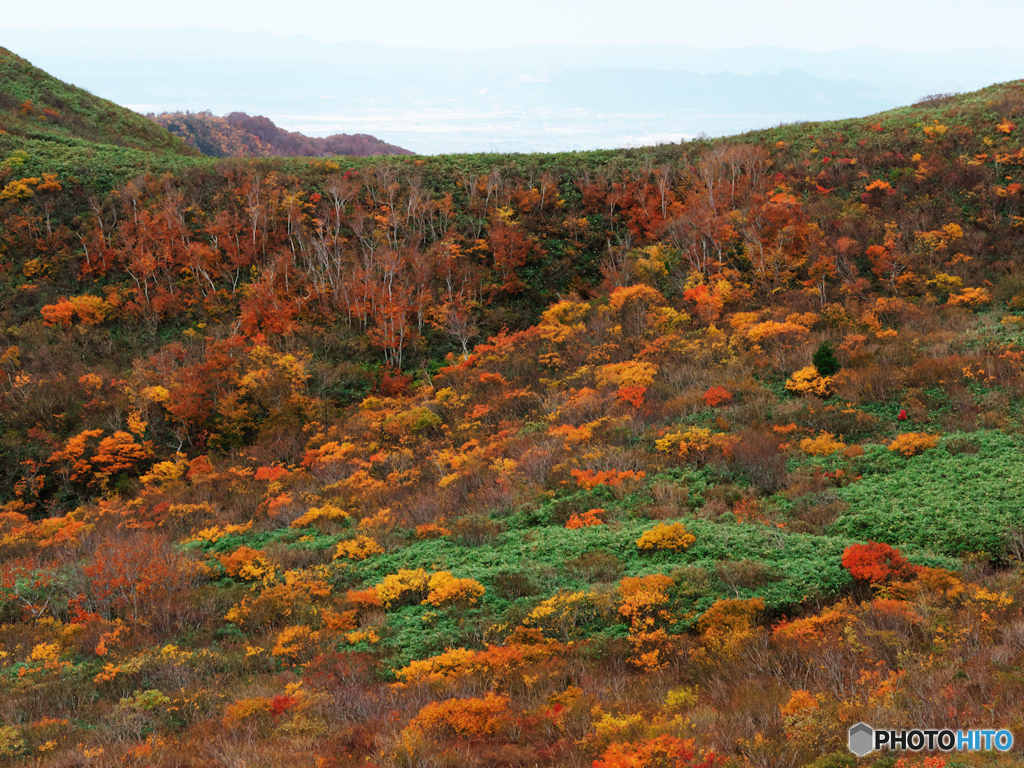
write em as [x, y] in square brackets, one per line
[861, 739]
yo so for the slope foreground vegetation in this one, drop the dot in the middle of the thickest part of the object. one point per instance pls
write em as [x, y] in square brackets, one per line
[692, 455]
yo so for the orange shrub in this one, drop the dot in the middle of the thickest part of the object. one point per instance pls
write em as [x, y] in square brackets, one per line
[664, 750]
[90, 310]
[296, 600]
[273, 474]
[643, 598]
[613, 478]
[913, 443]
[431, 531]
[588, 518]
[971, 297]
[770, 330]
[295, 643]
[817, 629]
[328, 513]
[111, 455]
[462, 717]
[364, 599]
[497, 663]
[247, 564]
[670, 536]
[632, 394]
[248, 712]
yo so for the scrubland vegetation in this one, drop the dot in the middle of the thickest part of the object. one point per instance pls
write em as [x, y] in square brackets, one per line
[686, 456]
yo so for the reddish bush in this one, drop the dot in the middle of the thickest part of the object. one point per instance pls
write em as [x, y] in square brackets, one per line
[717, 396]
[588, 518]
[875, 563]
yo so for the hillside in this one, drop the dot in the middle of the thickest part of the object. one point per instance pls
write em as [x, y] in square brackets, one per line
[241, 135]
[690, 455]
[35, 105]
[48, 126]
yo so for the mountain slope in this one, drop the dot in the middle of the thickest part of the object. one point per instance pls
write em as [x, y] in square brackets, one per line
[34, 104]
[688, 455]
[242, 135]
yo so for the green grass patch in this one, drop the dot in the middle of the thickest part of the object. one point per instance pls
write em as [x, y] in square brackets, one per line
[948, 500]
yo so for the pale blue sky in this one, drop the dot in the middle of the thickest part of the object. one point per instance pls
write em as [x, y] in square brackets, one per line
[815, 25]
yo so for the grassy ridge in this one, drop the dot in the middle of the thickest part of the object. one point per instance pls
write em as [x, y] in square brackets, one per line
[36, 105]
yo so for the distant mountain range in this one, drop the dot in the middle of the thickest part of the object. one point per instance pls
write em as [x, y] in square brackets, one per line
[242, 135]
[517, 99]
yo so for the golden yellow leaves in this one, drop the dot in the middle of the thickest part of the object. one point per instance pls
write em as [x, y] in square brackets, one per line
[913, 443]
[630, 373]
[328, 513]
[445, 589]
[359, 548]
[807, 381]
[824, 444]
[665, 536]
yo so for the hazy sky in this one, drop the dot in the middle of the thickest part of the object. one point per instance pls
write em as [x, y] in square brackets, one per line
[815, 25]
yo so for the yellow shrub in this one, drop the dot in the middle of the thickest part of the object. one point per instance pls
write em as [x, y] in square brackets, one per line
[671, 536]
[247, 710]
[770, 330]
[445, 667]
[682, 698]
[215, 533]
[563, 615]
[359, 548]
[326, 513]
[446, 590]
[693, 439]
[404, 586]
[944, 283]
[294, 642]
[807, 381]
[824, 444]
[11, 742]
[913, 443]
[630, 373]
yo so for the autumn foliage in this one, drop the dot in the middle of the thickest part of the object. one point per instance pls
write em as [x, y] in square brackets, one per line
[482, 460]
[875, 563]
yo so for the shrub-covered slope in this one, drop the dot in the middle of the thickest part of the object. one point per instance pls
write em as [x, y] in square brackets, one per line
[242, 135]
[689, 455]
